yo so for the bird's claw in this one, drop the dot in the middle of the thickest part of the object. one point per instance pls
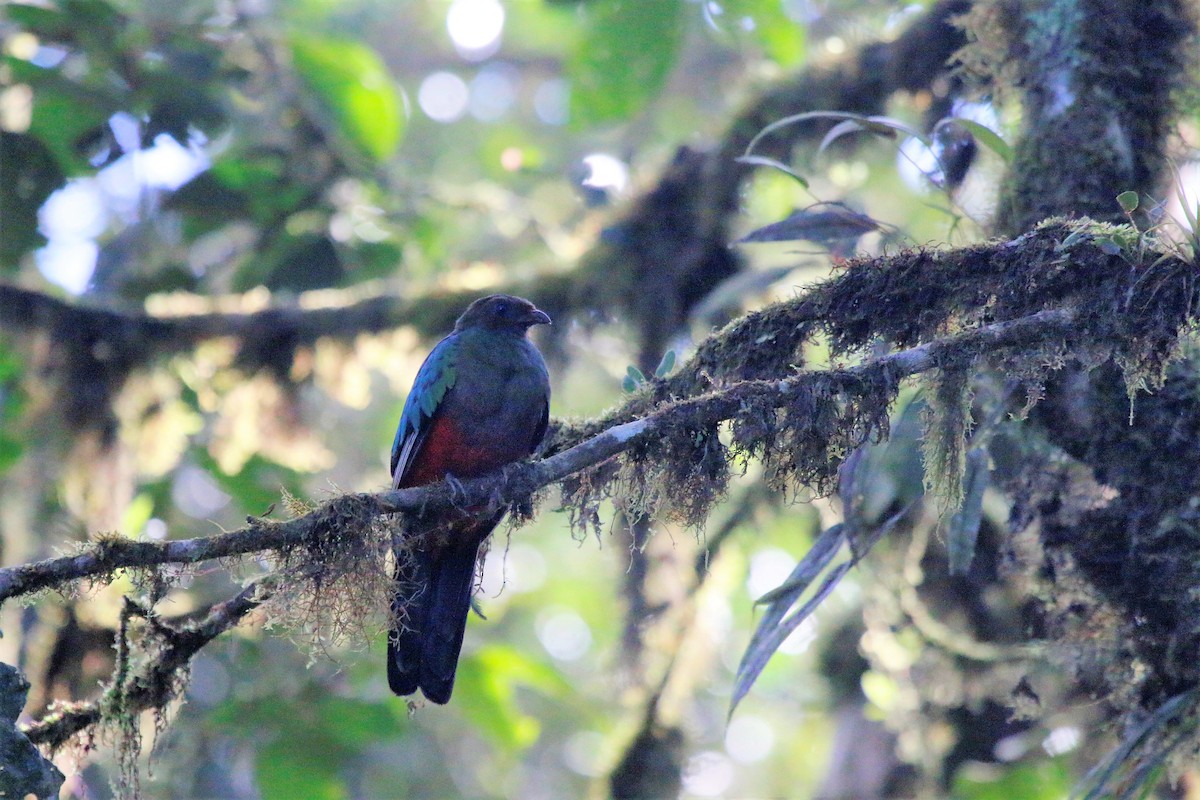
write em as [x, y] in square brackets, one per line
[456, 486]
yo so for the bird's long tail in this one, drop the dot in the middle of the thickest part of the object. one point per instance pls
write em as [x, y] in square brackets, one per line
[431, 604]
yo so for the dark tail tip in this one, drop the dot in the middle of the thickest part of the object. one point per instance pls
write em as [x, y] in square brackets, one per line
[402, 679]
[438, 691]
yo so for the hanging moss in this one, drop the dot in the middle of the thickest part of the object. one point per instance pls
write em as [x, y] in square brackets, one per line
[947, 423]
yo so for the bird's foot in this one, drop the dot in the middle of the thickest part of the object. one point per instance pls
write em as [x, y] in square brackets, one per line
[456, 487]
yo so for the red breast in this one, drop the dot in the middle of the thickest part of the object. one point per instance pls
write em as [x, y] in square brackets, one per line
[448, 449]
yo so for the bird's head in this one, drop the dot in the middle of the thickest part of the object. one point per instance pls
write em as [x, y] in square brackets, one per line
[502, 312]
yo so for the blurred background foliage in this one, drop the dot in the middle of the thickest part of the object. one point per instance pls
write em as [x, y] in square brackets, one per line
[187, 156]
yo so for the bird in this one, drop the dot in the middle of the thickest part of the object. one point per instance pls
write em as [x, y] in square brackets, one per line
[480, 400]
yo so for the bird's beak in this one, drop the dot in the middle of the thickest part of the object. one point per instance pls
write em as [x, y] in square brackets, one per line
[539, 317]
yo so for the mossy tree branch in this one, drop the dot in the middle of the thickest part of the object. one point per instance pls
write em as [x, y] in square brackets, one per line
[355, 512]
[157, 682]
[1055, 287]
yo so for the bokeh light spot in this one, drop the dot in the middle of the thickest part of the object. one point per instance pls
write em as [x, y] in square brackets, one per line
[443, 96]
[605, 172]
[564, 634]
[475, 27]
[551, 101]
[708, 774]
[749, 739]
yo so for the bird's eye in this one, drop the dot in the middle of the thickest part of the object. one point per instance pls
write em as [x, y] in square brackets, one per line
[501, 309]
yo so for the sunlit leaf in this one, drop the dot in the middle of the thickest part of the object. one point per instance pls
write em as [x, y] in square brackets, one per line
[486, 684]
[628, 50]
[1048, 779]
[782, 37]
[286, 769]
[257, 485]
[1128, 201]
[353, 85]
[10, 452]
[1191, 214]
[137, 514]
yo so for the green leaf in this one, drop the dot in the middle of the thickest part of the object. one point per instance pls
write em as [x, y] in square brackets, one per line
[1125, 756]
[137, 514]
[11, 365]
[984, 135]
[629, 385]
[636, 375]
[487, 680]
[257, 486]
[963, 529]
[354, 88]
[886, 127]
[828, 225]
[309, 738]
[666, 365]
[1041, 780]
[45, 23]
[847, 127]
[10, 452]
[773, 629]
[31, 174]
[628, 49]
[69, 117]
[354, 723]
[1128, 201]
[288, 769]
[781, 37]
[765, 161]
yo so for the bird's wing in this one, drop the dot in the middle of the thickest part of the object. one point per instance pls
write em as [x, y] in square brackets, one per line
[435, 378]
[539, 432]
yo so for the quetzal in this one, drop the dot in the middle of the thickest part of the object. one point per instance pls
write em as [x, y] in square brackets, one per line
[481, 400]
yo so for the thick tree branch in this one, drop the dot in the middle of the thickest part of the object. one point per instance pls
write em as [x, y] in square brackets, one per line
[133, 336]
